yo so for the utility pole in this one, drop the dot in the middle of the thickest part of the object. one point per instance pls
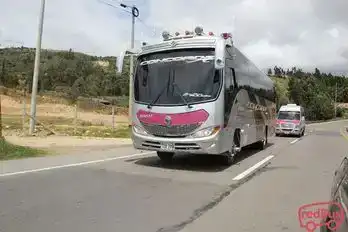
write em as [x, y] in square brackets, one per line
[335, 100]
[36, 69]
[135, 14]
[131, 69]
[1, 137]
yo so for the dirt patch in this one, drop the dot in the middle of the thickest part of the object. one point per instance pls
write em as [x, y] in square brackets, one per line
[11, 106]
[68, 144]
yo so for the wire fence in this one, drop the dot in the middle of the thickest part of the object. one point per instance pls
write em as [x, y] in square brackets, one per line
[85, 117]
[93, 117]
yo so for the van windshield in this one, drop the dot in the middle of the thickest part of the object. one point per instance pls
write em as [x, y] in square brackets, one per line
[289, 115]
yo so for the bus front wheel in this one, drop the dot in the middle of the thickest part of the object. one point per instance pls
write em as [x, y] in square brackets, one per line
[228, 158]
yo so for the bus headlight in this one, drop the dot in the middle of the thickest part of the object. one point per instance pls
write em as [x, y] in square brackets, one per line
[139, 130]
[206, 132]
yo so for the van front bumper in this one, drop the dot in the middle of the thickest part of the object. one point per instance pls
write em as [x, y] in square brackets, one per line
[295, 131]
[207, 145]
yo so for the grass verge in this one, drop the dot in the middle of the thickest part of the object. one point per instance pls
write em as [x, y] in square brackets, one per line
[65, 126]
[10, 151]
[95, 131]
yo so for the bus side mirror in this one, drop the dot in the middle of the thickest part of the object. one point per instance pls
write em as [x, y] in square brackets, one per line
[120, 58]
[303, 118]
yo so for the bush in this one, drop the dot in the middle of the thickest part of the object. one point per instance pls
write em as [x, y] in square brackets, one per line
[341, 112]
[320, 108]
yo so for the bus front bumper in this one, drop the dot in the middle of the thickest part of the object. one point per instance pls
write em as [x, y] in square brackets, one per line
[207, 145]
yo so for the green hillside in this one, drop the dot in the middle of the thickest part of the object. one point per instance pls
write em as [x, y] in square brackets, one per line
[72, 75]
[69, 73]
[315, 91]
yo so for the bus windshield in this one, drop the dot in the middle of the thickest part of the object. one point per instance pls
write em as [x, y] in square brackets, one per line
[177, 77]
[289, 115]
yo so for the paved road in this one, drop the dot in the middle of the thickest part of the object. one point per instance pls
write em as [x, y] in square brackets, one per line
[124, 190]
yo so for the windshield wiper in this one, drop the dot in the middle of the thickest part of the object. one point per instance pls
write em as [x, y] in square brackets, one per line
[149, 106]
[181, 95]
[179, 91]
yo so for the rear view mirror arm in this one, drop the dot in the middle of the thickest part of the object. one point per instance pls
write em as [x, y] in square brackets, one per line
[120, 59]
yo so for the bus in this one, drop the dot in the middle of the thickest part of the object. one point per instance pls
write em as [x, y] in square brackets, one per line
[197, 93]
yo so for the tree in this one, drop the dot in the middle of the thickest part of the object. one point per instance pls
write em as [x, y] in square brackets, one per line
[269, 72]
[317, 73]
[277, 71]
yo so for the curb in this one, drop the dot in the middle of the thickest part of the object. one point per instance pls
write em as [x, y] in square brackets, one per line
[326, 122]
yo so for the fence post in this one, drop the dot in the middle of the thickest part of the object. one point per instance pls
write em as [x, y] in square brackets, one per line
[1, 137]
[75, 118]
[113, 116]
[23, 110]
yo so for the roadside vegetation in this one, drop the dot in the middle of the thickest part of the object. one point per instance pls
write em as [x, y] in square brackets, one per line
[10, 151]
[68, 77]
[315, 91]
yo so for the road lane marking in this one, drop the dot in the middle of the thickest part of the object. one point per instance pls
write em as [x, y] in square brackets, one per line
[252, 169]
[343, 133]
[294, 141]
[74, 164]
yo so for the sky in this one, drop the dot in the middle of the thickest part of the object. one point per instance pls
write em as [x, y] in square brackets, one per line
[302, 33]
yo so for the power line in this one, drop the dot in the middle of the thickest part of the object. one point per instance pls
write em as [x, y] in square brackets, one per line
[122, 6]
[117, 7]
[129, 2]
[152, 28]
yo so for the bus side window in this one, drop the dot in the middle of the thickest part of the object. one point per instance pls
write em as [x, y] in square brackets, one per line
[228, 79]
[216, 76]
[146, 74]
[234, 77]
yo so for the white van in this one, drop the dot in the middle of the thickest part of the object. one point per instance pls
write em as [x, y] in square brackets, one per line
[291, 120]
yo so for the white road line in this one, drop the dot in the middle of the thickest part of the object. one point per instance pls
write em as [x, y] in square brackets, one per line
[250, 170]
[74, 164]
[294, 141]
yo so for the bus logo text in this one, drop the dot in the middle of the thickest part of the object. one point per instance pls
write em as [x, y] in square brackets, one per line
[204, 59]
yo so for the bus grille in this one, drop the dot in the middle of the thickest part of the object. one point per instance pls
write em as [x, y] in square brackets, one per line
[159, 130]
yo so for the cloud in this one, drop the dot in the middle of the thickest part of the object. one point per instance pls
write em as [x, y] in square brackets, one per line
[83, 25]
[305, 33]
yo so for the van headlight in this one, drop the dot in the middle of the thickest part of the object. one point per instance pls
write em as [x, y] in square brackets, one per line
[139, 130]
[206, 132]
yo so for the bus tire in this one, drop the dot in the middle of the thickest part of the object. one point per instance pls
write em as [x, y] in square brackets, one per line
[263, 143]
[228, 158]
[165, 157]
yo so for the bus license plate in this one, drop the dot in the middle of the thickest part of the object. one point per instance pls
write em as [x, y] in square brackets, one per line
[167, 146]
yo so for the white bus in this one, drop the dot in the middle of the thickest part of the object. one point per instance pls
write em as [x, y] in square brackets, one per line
[197, 93]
